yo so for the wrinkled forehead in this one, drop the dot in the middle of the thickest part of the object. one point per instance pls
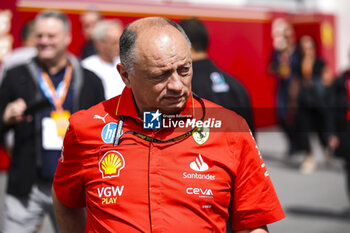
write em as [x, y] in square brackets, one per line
[159, 38]
[154, 27]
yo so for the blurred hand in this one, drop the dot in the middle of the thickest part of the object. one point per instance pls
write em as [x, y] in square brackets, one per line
[333, 142]
[327, 77]
[14, 112]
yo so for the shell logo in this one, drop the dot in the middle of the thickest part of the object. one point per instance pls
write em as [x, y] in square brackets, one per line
[111, 163]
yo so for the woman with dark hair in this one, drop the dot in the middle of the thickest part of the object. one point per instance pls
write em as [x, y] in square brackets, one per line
[311, 92]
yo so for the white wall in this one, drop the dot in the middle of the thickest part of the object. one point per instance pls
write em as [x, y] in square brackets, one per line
[342, 12]
[341, 9]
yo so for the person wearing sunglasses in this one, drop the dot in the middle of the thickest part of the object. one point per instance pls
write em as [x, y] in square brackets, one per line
[157, 158]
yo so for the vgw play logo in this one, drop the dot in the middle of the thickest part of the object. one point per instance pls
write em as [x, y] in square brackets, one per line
[154, 120]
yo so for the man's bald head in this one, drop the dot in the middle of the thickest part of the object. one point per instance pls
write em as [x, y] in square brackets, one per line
[135, 30]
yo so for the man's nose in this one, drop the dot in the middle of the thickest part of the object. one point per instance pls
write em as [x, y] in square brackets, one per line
[42, 39]
[175, 83]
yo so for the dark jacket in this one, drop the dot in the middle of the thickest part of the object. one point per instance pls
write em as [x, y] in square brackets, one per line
[22, 82]
[340, 105]
[210, 83]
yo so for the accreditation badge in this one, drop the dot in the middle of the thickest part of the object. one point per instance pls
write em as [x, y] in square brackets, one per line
[61, 119]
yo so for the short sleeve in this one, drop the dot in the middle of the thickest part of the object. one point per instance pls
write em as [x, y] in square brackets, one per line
[255, 202]
[68, 180]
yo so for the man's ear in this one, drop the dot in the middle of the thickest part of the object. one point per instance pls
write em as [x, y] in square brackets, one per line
[124, 74]
[68, 39]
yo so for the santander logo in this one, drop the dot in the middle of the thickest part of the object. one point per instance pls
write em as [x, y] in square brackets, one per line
[199, 165]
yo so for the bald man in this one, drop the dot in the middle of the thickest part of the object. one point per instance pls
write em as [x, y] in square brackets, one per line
[135, 172]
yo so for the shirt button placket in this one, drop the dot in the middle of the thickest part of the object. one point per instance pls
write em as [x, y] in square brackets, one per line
[154, 188]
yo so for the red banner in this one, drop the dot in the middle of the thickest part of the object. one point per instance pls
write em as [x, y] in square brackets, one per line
[8, 26]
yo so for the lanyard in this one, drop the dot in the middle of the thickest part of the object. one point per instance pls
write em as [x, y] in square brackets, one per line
[56, 96]
[119, 133]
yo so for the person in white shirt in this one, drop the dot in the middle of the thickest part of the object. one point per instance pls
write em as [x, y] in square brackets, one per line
[106, 35]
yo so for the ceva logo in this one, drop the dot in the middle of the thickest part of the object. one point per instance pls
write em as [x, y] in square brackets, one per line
[203, 193]
[111, 163]
[199, 165]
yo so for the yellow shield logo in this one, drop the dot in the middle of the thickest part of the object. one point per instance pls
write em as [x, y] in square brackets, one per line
[111, 163]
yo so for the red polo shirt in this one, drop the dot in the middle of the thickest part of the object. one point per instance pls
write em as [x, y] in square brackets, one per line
[191, 185]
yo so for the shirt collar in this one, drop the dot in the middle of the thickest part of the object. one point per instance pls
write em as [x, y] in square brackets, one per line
[126, 105]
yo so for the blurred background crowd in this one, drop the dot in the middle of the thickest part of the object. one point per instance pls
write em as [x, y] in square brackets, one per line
[282, 65]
